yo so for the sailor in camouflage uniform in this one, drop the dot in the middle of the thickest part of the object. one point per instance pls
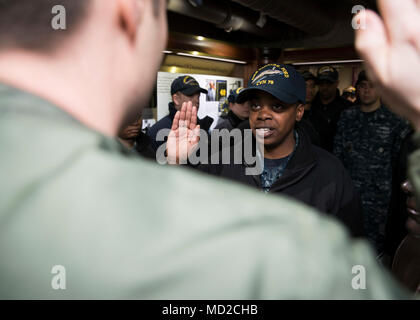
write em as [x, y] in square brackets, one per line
[368, 141]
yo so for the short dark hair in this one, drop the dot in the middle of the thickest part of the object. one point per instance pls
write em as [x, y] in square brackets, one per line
[27, 23]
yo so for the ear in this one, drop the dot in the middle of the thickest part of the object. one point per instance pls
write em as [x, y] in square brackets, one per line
[300, 110]
[175, 99]
[129, 16]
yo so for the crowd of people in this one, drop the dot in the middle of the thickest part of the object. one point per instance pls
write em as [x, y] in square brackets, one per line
[82, 190]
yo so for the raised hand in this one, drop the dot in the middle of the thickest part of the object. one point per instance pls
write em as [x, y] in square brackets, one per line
[390, 47]
[184, 136]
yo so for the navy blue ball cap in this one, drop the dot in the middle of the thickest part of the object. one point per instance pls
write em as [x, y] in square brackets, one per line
[327, 73]
[186, 85]
[308, 76]
[233, 97]
[279, 80]
[362, 77]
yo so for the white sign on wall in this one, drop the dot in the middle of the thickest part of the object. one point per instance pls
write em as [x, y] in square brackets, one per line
[218, 87]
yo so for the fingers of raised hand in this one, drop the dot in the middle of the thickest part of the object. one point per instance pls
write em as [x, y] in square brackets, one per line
[175, 123]
[183, 110]
[401, 19]
[372, 44]
[197, 133]
[193, 123]
[188, 114]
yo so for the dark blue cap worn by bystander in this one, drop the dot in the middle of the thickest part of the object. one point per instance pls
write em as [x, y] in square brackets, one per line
[186, 85]
[281, 81]
[307, 75]
[362, 77]
[233, 97]
[327, 73]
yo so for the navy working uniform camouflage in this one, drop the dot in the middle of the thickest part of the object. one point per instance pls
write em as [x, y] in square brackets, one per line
[368, 144]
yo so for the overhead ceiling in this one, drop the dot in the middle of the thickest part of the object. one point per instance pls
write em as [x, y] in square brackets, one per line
[282, 24]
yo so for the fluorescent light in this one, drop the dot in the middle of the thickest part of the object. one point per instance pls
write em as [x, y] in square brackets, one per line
[200, 38]
[326, 62]
[211, 58]
[195, 3]
[166, 51]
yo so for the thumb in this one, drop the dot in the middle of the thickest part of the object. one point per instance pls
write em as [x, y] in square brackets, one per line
[373, 46]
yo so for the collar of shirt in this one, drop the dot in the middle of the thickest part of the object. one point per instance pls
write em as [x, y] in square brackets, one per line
[274, 168]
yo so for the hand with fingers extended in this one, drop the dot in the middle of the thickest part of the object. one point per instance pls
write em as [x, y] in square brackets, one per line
[184, 136]
[390, 46]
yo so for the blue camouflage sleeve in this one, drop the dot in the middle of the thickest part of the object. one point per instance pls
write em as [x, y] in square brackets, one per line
[338, 139]
[402, 129]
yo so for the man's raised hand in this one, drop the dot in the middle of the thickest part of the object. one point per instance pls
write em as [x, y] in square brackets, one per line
[184, 136]
[390, 47]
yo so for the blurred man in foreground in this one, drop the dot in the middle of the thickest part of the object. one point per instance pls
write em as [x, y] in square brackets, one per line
[70, 198]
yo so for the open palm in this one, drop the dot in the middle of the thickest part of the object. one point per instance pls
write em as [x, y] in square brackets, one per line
[184, 136]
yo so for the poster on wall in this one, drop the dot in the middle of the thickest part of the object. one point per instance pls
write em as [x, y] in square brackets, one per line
[211, 105]
[211, 88]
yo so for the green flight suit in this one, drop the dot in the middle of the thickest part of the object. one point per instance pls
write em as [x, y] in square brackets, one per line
[125, 228]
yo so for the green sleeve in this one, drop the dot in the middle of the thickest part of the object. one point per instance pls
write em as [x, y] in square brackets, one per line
[338, 139]
[123, 229]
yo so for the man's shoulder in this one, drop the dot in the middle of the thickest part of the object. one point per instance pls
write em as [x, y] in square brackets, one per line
[350, 113]
[205, 123]
[223, 123]
[344, 102]
[164, 123]
[391, 117]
